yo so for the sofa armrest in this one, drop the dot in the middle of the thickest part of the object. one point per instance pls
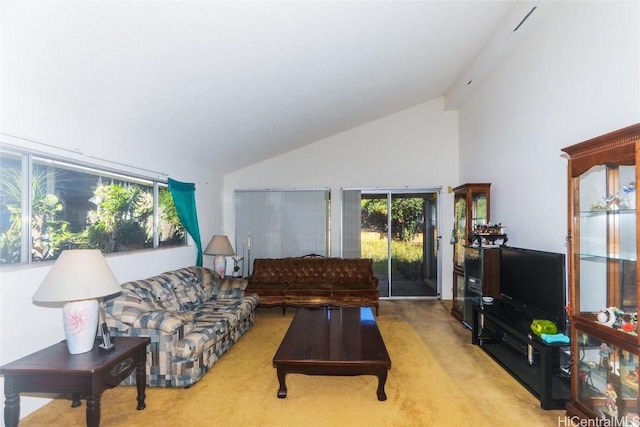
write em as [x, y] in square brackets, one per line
[163, 320]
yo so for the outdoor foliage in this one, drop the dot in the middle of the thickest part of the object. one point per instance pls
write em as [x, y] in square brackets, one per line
[172, 230]
[406, 224]
[406, 214]
[119, 219]
[49, 233]
[406, 256]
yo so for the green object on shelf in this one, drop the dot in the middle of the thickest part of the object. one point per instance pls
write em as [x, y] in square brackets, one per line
[542, 326]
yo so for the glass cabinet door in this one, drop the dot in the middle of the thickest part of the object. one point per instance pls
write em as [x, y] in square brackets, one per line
[479, 211]
[607, 379]
[471, 208]
[607, 243]
[460, 233]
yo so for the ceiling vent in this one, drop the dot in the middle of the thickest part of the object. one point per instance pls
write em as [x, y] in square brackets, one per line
[524, 19]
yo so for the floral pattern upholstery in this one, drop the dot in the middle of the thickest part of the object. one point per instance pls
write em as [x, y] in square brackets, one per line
[192, 317]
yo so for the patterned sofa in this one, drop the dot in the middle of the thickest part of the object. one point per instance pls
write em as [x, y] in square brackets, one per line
[192, 317]
[314, 280]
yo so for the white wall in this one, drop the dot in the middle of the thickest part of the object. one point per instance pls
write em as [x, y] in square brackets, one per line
[26, 327]
[417, 147]
[577, 77]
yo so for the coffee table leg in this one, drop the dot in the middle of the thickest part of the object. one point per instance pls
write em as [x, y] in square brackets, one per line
[282, 391]
[11, 409]
[382, 380]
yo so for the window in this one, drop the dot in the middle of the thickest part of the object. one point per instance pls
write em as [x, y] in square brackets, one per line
[48, 205]
[11, 208]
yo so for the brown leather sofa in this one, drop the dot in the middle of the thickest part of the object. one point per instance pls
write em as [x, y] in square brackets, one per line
[313, 280]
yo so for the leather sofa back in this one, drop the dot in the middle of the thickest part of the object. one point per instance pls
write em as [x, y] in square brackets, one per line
[312, 270]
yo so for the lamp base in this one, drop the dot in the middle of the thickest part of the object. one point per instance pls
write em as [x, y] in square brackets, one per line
[220, 265]
[80, 319]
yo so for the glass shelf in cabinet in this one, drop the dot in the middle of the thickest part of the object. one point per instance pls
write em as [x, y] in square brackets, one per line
[627, 336]
[599, 212]
[626, 256]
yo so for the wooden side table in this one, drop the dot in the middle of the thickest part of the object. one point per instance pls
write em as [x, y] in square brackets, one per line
[54, 370]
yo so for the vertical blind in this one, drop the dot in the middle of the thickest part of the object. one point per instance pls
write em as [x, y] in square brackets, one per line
[281, 223]
[351, 223]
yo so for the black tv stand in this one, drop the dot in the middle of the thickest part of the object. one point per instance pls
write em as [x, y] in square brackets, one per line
[542, 368]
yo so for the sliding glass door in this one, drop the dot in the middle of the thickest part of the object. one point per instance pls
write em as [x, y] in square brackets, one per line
[398, 229]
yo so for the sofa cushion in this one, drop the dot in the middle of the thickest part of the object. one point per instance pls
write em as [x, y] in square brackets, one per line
[206, 280]
[229, 287]
[185, 288]
[156, 291]
[164, 320]
[128, 307]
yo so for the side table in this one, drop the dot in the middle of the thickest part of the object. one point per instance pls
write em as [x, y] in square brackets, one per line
[54, 370]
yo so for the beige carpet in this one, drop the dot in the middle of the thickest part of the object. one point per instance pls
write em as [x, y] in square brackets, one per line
[241, 388]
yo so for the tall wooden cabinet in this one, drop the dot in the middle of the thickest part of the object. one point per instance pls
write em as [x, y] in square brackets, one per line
[603, 281]
[471, 207]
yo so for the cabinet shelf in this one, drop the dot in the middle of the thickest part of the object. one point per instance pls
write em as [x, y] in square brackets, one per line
[595, 213]
[629, 256]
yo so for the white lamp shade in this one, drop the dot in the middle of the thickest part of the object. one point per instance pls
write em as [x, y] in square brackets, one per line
[219, 245]
[78, 274]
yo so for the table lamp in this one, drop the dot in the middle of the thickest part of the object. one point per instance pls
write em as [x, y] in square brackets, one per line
[78, 277]
[220, 246]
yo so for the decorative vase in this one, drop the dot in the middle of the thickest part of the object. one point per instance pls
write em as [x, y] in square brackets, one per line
[220, 265]
[80, 319]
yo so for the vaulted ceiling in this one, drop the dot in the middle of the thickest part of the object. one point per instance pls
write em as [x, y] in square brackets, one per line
[243, 80]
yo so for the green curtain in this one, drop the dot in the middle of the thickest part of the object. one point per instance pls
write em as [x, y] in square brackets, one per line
[183, 194]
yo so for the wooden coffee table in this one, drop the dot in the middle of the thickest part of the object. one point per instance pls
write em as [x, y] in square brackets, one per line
[342, 341]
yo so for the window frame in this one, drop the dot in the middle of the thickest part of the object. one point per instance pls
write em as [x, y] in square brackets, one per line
[29, 156]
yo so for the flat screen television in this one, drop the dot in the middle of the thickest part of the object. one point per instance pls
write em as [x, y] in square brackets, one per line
[533, 283]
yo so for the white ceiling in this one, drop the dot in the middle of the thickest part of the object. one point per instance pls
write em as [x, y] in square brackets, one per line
[246, 80]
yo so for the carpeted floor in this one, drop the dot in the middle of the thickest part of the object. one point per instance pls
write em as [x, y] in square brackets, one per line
[437, 378]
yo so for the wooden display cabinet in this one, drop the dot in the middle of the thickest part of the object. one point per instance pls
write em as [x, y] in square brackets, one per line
[471, 208]
[603, 282]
